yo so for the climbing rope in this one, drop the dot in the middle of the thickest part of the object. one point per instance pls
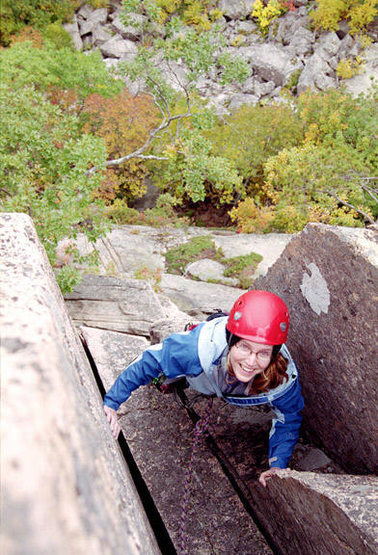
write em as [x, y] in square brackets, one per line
[200, 429]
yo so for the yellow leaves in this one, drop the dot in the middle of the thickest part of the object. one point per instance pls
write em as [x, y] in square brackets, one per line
[250, 218]
[350, 67]
[330, 12]
[123, 121]
[266, 14]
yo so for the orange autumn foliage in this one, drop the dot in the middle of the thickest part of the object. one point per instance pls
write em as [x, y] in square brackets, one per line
[123, 121]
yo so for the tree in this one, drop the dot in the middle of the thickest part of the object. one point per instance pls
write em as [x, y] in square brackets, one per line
[185, 54]
[43, 165]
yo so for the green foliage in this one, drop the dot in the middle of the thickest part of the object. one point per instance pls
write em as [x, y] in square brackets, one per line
[239, 267]
[51, 68]
[58, 36]
[39, 14]
[324, 177]
[177, 258]
[162, 215]
[249, 136]
[43, 161]
[242, 267]
[349, 68]
[68, 277]
[124, 122]
[358, 13]
[15, 14]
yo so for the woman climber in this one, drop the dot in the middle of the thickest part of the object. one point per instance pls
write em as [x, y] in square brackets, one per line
[241, 358]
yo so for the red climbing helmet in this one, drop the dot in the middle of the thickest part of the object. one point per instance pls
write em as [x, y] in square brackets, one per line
[259, 316]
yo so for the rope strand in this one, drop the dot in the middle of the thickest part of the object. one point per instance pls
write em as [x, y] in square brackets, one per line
[200, 429]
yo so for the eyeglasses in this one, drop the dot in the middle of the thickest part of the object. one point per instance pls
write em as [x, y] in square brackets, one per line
[261, 356]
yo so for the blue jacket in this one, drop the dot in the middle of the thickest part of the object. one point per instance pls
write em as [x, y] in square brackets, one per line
[195, 355]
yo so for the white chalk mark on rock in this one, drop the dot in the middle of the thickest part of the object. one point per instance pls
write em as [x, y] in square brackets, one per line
[315, 290]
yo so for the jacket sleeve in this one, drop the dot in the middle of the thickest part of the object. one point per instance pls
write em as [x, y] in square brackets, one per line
[284, 432]
[176, 356]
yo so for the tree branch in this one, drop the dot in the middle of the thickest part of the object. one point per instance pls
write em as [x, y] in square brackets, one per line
[370, 192]
[366, 216]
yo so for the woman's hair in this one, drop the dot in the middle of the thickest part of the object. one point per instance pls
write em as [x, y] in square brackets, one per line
[272, 377]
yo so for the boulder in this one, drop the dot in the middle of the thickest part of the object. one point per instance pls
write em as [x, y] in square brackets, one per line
[132, 30]
[328, 45]
[84, 12]
[197, 297]
[365, 81]
[208, 270]
[160, 436]
[240, 99]
[236, 9]
[302, 42]
[100, 35]
[311, 513]
[315, 75]
[328, 276]
[116, 47]
[124, 305]
[64, 484]
[73, 30]
[269, 62]
[95, 18]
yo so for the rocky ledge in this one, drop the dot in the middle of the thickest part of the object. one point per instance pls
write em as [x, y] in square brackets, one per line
[293, 53]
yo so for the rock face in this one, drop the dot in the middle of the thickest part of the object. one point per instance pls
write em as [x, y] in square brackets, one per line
[328, 276]
[341, 509]
[160, 436]
[291, 52]
[64, 484]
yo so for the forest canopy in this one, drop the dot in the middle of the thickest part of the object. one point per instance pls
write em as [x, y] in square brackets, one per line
[83, 146]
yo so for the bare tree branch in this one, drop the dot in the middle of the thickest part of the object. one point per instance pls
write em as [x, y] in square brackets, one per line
[370, 192]
[366, 216]
[6, 192]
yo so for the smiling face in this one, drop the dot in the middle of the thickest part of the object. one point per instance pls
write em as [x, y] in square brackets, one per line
[248, 359]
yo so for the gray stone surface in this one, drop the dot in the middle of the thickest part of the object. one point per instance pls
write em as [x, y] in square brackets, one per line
[132, 30]
[73, 30]
[100, 35]
[322, 513]
[270, 62]
[125, 305]
[315, 75]
[289, 47]
[64, 484]
[208, 270]
[236, 9]
[328, 276]
[314, 459]
[369, 75]
[118, 48]
[195, 297]
[160, 436]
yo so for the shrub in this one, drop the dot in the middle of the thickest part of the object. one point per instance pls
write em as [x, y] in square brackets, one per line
[58, 36]
[16, 14]
[349, 68]
[265, 14]
[57, 69]
[177, 258]
[242, 268]
[43, 165]
[253, 133]
[251, 218]
[123, 122]
[329, 13]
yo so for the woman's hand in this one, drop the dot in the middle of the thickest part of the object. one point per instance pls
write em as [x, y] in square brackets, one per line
[267, 475]
[112, 417]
